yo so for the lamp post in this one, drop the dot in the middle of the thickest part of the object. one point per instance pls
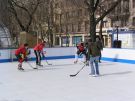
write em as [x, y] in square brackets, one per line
[117, 31]
[60, 29]
[117, 27]
[117, 34]
[59, 12]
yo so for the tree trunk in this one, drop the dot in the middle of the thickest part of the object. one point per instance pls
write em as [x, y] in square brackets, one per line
[92, 7]
[100, 31]
[92, 28]
[92, 20]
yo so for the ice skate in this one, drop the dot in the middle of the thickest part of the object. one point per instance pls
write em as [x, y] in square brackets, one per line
[75, 62]
[20, 67]
[40, 65]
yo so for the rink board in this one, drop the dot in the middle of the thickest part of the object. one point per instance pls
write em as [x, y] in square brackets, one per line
[108, 54]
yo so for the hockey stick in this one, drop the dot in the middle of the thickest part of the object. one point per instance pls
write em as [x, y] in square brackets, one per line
[47, 62]
[77, 72]
[31, 65]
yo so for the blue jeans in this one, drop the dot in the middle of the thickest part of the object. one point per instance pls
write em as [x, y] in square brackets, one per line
[94, 69]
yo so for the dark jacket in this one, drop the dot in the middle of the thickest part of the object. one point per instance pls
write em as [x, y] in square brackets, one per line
[94, 49]
[100, 45]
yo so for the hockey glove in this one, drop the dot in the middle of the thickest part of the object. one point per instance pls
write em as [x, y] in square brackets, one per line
[22, 56]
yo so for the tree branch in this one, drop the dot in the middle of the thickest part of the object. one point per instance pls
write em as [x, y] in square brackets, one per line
[25, 9]
[96, 5]
[86, 2]
[14, 12]
[108, 11]
[31, 15]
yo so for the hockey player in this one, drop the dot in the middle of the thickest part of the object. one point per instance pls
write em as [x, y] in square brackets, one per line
[80, 51]
[38, 50]
[21, 54]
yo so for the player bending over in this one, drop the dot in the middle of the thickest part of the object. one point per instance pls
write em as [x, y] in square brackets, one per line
[38, 50]
[21, 54]
[81, 50]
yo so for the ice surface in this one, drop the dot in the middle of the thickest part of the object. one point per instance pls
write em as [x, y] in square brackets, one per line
[53, 83]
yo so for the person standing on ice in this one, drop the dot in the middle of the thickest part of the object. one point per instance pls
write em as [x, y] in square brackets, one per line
[21, 54]
[94, 54]
[38, 50]
[80, 51]
[100, 44]
[86, 54]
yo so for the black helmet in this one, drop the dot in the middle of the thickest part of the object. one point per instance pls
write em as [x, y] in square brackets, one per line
[26, 44]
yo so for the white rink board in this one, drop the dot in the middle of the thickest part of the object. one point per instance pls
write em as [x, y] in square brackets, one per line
[127, 54]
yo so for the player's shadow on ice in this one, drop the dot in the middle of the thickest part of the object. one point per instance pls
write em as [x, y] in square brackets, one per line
[106, 64]
[40, 69]
[58, 65]
[118, 73]
[49, 67]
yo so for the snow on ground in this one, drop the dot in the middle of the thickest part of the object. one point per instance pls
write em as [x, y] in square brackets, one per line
[53, 83]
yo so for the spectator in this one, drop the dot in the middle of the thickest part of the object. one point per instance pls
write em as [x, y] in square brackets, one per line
[100, 45]
[94, 54]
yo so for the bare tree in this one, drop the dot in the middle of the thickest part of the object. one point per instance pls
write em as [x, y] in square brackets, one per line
[92, 8]
[24, 8]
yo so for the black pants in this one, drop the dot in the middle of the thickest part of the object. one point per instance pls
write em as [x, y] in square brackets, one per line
[79, 53]
[100, 57]
[38, 57]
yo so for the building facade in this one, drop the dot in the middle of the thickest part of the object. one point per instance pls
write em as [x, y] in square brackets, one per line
[132, 13]
[73, 21]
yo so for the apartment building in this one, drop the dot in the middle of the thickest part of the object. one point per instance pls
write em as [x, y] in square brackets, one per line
[132, 14]
[73, 21]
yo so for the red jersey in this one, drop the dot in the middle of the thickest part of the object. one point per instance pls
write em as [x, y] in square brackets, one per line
[39, 47]
[80, 47]
[21, 50]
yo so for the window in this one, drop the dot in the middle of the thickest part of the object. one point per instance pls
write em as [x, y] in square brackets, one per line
[86, 25]
[57, 29]
[126, 6]
[62, 29]
[67, 15]
[86, 12]
[124, 22]
[133, 21]
[76, 39]
[73, 28]
[70, 14]
[57, 17]
[133, 3]
[65, 40]
[57, 41]
[67, 29]
[73, 13]
[79, 12]
[119, 9]
[79, 27]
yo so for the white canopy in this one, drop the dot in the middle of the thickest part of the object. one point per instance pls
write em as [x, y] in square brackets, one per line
[5, 38]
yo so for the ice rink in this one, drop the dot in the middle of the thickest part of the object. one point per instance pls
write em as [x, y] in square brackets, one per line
[53, 83]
